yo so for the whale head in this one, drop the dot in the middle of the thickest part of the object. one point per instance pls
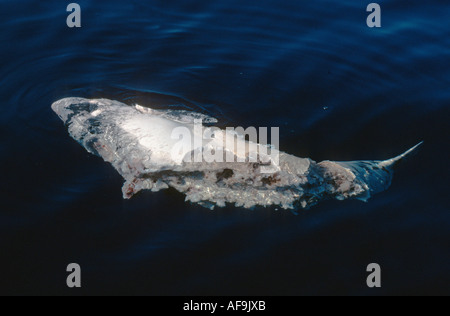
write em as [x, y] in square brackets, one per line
[68, 108]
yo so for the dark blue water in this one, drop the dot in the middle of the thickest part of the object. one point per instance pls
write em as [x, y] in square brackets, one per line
[337, 89]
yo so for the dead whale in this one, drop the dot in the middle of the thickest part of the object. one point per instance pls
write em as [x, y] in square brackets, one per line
[139, 142]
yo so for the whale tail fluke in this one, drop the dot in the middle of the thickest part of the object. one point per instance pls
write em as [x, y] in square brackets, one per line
[392, 162]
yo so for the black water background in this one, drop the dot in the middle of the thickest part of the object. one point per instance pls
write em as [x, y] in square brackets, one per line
[337, 89]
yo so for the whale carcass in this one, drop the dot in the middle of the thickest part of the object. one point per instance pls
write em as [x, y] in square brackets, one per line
[139, 142]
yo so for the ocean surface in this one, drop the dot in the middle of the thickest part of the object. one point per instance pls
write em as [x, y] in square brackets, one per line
[337, 89]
